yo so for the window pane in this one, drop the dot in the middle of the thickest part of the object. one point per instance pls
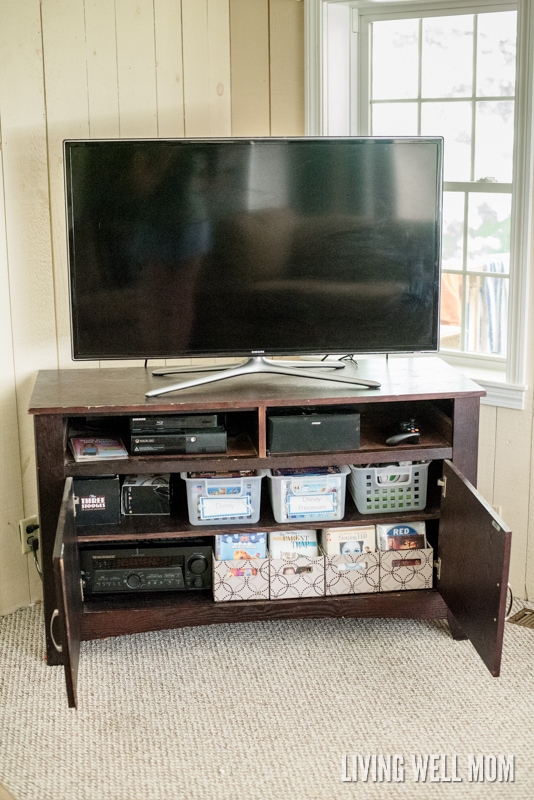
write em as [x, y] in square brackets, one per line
[487, 315]
[456, 74]
[494, 140]
[394, 119]
[395, 58]
[447, 56]
[452, 120]
[496, 54]
[453, 230]
[489, 232]
[451, 311]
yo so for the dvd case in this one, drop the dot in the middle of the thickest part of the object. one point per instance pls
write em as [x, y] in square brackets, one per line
[97, 448]
[237, 546]
[351, 540]
[401, 536]
[290, 544]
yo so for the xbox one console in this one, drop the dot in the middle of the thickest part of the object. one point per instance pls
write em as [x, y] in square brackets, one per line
[204, 440]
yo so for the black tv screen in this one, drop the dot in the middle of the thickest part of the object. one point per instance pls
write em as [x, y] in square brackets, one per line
[240, 247]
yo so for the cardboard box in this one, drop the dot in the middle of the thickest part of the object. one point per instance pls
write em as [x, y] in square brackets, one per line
[146, 494]
[401, 570]
[97, 500]
[352, 573]
[302, 576]
[242, 579]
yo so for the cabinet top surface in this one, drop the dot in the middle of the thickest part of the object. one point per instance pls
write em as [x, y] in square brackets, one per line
[118, 389]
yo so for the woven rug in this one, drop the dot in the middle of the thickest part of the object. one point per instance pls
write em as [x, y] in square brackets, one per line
[278, 710]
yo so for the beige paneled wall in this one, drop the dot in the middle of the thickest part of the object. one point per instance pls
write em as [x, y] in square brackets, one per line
[505, 478]
[286, 40]
[25, 267]
[249, 32]
[107, 68]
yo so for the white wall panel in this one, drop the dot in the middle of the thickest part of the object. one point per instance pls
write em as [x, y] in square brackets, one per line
[169, 72]
[100, 56]
[67, 117]
[219, 87]
[512, 484]
[136, 60]
[249, 24]
[286, 66]
[14, 587]
[28, 266]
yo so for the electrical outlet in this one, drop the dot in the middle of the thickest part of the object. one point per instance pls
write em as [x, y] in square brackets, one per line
[28, 531]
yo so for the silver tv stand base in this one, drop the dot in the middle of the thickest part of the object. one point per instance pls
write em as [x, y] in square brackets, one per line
[255, 365]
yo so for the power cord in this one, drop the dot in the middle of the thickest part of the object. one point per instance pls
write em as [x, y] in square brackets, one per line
[35, 548]
[34, 544]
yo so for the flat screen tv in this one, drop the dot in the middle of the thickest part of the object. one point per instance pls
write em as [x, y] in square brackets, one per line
[253, 247]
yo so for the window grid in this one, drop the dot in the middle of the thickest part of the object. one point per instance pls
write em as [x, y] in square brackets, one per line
[468, 276]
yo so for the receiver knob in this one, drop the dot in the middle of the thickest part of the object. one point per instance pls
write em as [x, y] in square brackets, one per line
[197, 564]
[133, 581]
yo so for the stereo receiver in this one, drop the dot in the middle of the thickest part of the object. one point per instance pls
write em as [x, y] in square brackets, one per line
[146, 569]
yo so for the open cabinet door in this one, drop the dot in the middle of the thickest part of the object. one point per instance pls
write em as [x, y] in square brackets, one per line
[66, 563]
[474, 554]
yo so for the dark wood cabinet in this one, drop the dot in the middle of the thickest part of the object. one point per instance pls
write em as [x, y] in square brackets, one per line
[471, 545]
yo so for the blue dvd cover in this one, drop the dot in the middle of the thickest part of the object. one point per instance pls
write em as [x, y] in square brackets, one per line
[236, 546]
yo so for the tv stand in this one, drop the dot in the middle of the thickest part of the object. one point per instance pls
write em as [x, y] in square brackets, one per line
[471, 544]
[260, 364]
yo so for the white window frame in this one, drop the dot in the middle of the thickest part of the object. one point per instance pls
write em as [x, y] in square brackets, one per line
[332, 107]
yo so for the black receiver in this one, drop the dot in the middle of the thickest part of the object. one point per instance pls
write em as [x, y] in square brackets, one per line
[146, 569]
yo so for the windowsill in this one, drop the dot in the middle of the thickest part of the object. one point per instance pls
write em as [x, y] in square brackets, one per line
[499, 391]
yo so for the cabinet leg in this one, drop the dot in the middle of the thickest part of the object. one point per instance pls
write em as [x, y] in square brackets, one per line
[456, 632]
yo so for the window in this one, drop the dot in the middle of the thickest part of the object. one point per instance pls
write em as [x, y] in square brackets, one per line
[456, 70]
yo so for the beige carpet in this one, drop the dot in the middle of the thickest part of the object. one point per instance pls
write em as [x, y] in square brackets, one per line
[265, 711]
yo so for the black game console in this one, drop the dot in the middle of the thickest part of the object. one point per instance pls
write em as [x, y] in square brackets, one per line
[203, 440]
[172, 422]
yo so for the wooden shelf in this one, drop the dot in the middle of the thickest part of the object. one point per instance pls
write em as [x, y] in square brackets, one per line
[158, 528]
[111, 616]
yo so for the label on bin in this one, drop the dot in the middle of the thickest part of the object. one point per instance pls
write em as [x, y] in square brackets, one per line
[219, 507]
[311, 504]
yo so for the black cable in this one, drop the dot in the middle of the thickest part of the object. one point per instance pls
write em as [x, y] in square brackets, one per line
[35, 548]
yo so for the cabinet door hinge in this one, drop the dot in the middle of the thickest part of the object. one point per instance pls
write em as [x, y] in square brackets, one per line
[443, 483]
[437, 564]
